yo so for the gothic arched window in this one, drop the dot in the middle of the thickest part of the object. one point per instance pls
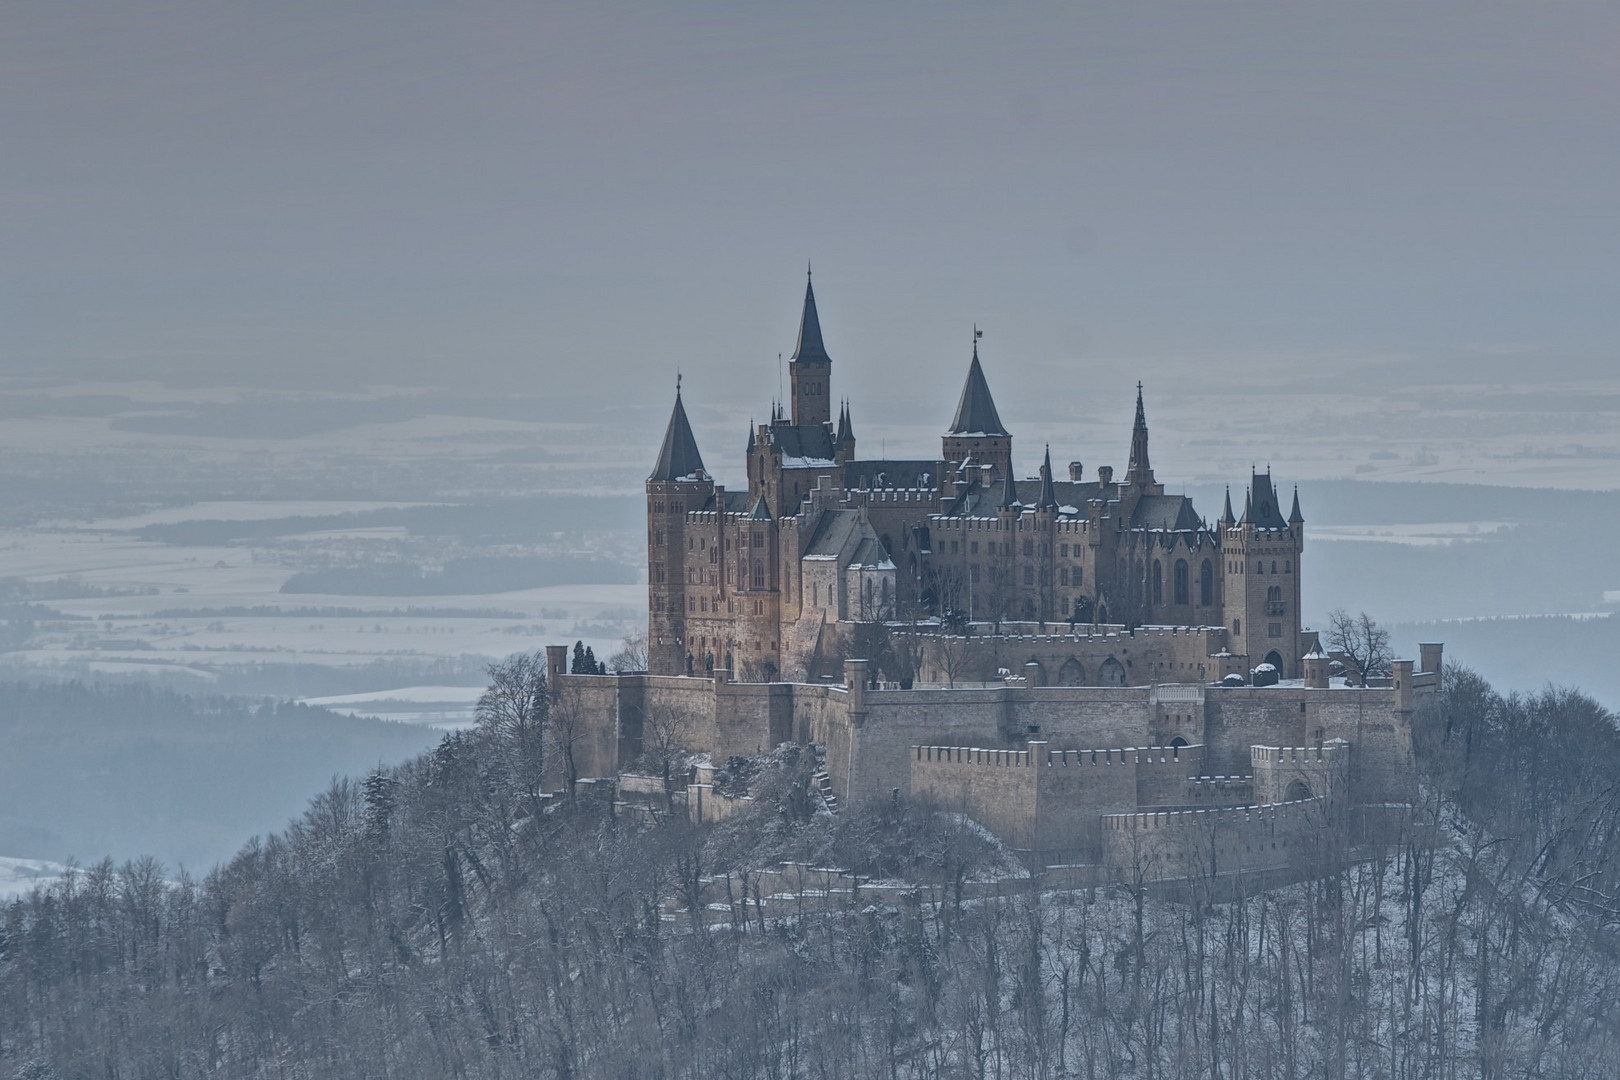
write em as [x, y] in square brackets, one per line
[1206, 584]
[1158, 582]
[1182, 591]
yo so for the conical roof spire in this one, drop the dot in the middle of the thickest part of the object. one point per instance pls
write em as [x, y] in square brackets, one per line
[1140, 471]
[976, 411]
[1294, 516]
[1009, 492]
[1048, 496]
[1226, 514]
[846, 431]
[1248, 508]
[810, 350]
[760, 512]
[750, 450]
[679, 457]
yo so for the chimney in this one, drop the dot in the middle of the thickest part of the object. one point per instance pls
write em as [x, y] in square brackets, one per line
[1105, 475]
[1077, 472]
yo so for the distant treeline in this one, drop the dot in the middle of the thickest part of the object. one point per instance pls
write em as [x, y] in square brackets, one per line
[499, 521]
[462, 576]
[88, 770]
[1532, 651]
[271, 611]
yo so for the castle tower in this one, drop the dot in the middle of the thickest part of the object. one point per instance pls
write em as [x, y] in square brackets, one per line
[678, 483]
[810, 368]
[976, 431]
[1262, 550]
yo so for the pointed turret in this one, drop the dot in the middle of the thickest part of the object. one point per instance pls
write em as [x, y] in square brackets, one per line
[1227, 520]
[1140, 471]
[976, 411]
[679, 457]
[1294, 516]
[760, 512]
[1009, 492]
[809, 349]
[750, 450]
[1248, 507]
[1048, 500]
[844, 432]
[810, 368]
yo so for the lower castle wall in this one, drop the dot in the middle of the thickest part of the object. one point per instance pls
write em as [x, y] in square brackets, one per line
[1155, 846]
[997, 788]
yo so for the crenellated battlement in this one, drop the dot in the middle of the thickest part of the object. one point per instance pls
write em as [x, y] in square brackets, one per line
[1151, 820]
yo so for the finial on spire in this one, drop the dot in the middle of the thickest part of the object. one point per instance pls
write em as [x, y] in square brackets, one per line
[677, 382]
[807, 269]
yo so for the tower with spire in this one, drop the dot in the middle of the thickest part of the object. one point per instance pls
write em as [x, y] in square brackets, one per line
[678, 484]
[1261, 550]
[810, 369]
[976, 433]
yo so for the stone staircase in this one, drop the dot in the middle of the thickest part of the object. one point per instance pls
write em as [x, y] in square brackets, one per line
[822, 783]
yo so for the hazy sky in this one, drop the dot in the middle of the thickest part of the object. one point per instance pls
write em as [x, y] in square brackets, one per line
[583, 198]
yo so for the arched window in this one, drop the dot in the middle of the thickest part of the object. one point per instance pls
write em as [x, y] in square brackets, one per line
[1274, 594]
[1158, 582]
[1111, 673]
[1182, 591]
[1071, 673]
[1206, 583]
[1297, 791]
[1178, 742]
[759, 575]
[1259, 566]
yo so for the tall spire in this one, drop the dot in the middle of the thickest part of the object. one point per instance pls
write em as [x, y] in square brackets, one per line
[845, 432]
[1226, 514]
[1048, 496]
[1139, 471]
[1294, 516]
[976, 411]
[809, 349]
[679, 457]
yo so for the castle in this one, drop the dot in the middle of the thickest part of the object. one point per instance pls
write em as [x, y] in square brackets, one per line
[769, 581]
[1110, 684]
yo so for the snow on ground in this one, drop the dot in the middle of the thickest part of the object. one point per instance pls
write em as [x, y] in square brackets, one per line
[18, 876]
[445, 707]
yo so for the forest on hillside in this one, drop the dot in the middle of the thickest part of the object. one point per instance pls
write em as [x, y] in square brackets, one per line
[440, 919]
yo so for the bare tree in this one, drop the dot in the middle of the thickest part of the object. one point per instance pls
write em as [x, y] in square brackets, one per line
[957, 656]
[512, 713]
[665, 731]
[1361, 641]
[568, 725]
[632, 654]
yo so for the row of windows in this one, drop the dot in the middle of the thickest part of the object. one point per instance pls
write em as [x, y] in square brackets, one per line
[1260, 566]
[1180, 587]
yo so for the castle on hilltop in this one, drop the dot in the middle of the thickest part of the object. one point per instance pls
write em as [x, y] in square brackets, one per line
[1144, 704]
[768, 582]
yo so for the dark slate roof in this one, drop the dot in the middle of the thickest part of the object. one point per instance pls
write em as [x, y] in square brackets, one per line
[679, 455]
[976, 411]
[736, 502]
[1261, 509]
[846, 430]
[1294, 516]
[834, 533]
[760, 512]
[1070, 497]
[1172, 513]
[890, 473]
[809, 349]
[812, 442]
[870, 552]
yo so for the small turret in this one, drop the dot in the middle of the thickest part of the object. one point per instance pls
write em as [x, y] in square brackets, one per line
[1227, 520]
[976, 430]
[1294, 516]
[1048, 500]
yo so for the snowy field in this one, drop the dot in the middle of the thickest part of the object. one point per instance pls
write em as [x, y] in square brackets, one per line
[18, 876]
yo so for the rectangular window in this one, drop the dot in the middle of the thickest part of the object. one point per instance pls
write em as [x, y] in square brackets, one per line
[1274, 629]
[973, 573]
[1029, 547]
[973, 547]
[1063, 550]
[1029, 575]
[1063, 575]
